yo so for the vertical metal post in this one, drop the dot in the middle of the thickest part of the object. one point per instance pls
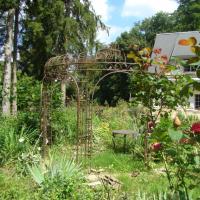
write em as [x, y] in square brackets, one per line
[44, 118]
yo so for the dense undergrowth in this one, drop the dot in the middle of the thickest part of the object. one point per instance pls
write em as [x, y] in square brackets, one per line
[24, 175]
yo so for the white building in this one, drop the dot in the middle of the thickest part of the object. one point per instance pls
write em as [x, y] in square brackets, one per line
[170, 46]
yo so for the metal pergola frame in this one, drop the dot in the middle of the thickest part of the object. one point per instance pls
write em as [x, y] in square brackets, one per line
[61, 68]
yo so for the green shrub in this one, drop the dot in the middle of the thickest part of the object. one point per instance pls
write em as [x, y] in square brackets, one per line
[107, 119]
[28, 93]
[59, 178]
[29, 119]
[13, 145]
[14, 140]
[64, 124]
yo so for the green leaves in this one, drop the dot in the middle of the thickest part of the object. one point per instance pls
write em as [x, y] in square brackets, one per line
[56, 27]
[175, 135]
[37, 174]
[153, 90]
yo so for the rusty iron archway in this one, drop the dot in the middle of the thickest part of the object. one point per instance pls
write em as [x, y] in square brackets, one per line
[78, 70]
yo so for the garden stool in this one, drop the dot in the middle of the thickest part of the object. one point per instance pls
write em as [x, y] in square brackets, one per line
[123, 133]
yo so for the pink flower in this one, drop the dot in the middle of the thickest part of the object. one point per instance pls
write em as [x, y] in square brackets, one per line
[157, 51]
[156, 146]
[195, 128]
[164, 58]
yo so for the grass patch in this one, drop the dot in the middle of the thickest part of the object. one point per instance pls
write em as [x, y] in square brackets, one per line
[145, 182]
[116, 162]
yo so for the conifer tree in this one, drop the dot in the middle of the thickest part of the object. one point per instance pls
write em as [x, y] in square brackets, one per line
[56, 27]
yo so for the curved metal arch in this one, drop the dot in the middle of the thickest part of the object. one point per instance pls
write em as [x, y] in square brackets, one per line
[108, 74]
[60, 67]
[44, 99]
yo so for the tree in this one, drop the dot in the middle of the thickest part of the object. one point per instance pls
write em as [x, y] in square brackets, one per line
[56, 27]
[159, 23]
[135, 36]
[2, 31]
[10, 41]
[14, 67]
[188, 15]
[8, 63]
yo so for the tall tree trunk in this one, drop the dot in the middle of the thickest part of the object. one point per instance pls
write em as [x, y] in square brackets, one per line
[14, 69]
[63, 91]
[8, 62]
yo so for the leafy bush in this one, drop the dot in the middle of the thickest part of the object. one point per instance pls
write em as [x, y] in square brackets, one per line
[64, 124]
[29, 119]
[180, 153]
[59, 178]
[114, 118]
[14, 140]
[54, 167]
[28, 90]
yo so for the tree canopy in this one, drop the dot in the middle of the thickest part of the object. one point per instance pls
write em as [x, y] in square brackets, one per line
[56, 27]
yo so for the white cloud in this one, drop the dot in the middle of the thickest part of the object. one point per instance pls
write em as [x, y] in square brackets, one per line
[102, 8]
[114, 32]
[147, 8]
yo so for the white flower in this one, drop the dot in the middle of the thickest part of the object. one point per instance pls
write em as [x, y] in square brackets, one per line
[47, 141]
[21, 139]
[39, 148]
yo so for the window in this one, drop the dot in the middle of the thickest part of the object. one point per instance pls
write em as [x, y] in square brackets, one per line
[189, 68]
[197, 101]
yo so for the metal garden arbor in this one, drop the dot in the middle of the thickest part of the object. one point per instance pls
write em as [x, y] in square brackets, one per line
[79, 71]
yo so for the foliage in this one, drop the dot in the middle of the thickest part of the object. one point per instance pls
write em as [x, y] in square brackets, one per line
[114, 118]
[188, 11]
[135, 36]
[59, 178]
[11, 143]
[54, 28]
[113, 89]
[28, 90]
[158, 93]
[181, 158]
[16, 141]
[64, 125]
[29, 119]
[54, 167]
[15, 187]
[159, 196]
[159, 23]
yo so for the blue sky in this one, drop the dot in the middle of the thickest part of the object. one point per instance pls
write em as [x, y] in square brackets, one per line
[120, 15]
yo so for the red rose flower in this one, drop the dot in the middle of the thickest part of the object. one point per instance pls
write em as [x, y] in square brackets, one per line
[195, 128]
[156, 146]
